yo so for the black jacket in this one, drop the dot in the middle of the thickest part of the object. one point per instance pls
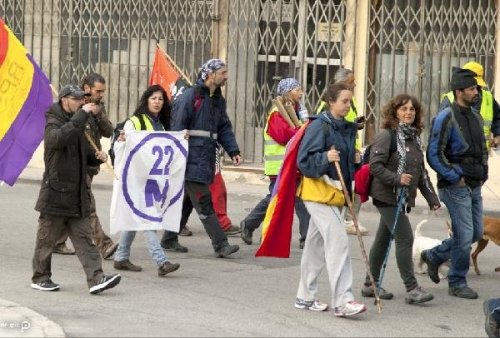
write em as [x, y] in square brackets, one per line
[64, 190]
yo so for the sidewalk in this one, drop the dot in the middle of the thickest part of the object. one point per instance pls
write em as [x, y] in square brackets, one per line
[19, 321]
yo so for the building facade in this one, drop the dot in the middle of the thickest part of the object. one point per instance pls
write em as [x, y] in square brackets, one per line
[393, 46]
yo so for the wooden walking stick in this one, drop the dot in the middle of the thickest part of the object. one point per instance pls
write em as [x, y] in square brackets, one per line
[358, 234]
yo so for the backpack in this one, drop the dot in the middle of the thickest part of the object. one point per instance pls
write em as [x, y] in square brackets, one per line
[116, 133]
[363, 177]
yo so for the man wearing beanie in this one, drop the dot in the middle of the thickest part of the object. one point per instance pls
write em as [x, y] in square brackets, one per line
[457, 152]
[486, 105]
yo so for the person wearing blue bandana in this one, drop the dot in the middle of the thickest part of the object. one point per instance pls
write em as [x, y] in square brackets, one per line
[277, 133]
[201, 110]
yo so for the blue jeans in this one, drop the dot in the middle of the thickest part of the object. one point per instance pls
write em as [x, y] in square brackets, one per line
[155, 250]
[465, 206]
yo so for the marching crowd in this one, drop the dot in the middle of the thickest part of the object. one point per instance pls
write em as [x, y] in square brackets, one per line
[466, 126]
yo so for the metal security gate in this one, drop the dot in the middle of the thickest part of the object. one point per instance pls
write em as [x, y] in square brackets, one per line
[414, 43]
[272, 39]
[407, 46]
[117, 38]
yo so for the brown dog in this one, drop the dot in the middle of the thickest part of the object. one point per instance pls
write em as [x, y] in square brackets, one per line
[491, 232]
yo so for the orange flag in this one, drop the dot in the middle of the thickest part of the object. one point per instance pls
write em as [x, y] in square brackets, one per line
[164, 73]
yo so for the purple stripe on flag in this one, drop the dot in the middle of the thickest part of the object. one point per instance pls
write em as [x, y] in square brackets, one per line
[27, 130]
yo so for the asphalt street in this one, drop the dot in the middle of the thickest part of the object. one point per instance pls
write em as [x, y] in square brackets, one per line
[238, 296]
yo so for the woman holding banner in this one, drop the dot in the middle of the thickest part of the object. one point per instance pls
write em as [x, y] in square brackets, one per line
[152, 114]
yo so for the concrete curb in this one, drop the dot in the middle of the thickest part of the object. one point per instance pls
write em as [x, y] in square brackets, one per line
[20, 321]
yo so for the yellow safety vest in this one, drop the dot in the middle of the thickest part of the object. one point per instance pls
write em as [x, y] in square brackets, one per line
[137, 123]
[273, 151]
[350, 117]
[486, 111]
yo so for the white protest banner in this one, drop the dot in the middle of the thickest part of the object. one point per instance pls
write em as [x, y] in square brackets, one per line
[148, 193]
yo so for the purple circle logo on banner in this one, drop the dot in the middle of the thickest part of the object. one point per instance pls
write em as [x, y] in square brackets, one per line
[152, 194]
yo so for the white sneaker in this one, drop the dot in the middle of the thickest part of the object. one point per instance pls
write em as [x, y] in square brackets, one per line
[349, 309]
[351, 229]
[313, 305]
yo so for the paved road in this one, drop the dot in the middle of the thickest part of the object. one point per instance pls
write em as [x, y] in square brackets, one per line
[240, 296]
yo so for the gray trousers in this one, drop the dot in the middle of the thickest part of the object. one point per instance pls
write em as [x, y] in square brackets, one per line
[200, 196]
[327, 244]
[50, 228]
[403, 238]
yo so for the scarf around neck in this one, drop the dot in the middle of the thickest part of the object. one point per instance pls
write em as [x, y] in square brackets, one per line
[404, 132]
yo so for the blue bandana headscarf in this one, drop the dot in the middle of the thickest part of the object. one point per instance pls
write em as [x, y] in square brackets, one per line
[210, 66]
[286, 85]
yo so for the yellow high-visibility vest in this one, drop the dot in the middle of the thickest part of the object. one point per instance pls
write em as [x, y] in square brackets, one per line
[137, 123]
[273, 151]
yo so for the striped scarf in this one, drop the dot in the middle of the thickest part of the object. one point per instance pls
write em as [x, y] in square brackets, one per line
[405, 132]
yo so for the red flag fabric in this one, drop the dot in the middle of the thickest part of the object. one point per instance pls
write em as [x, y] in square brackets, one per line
[164, 73]
[277, 225]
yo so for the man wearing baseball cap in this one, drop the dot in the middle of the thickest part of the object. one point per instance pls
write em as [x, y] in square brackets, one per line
[457, 152]
[486, 105]
[64, 200]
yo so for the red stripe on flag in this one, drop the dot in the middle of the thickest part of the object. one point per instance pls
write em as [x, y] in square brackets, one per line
[4, 41]
[277, 227]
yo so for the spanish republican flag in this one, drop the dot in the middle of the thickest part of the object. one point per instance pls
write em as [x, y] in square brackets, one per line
[165, 74]
[25, 96]
[277, 226]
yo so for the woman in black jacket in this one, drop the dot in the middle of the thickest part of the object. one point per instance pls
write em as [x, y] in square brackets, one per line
[398, 171]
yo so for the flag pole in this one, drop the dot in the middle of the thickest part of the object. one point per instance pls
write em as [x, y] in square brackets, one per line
[173, 64]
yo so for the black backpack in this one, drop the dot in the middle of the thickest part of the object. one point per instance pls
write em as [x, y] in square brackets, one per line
[116, 133]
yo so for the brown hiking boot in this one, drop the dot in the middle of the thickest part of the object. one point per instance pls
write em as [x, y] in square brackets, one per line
[167, 267]
[126, 265]
[186, 232]
[109, 251]
[232, 230]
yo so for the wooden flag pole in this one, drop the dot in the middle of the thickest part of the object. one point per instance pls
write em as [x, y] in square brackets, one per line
[186, 78]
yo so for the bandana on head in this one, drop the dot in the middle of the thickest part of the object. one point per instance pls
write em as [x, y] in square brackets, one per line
[286, 85]
[211, 66]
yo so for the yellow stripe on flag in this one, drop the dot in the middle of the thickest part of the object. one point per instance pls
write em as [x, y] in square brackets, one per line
[16, 76]
[269, 215]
